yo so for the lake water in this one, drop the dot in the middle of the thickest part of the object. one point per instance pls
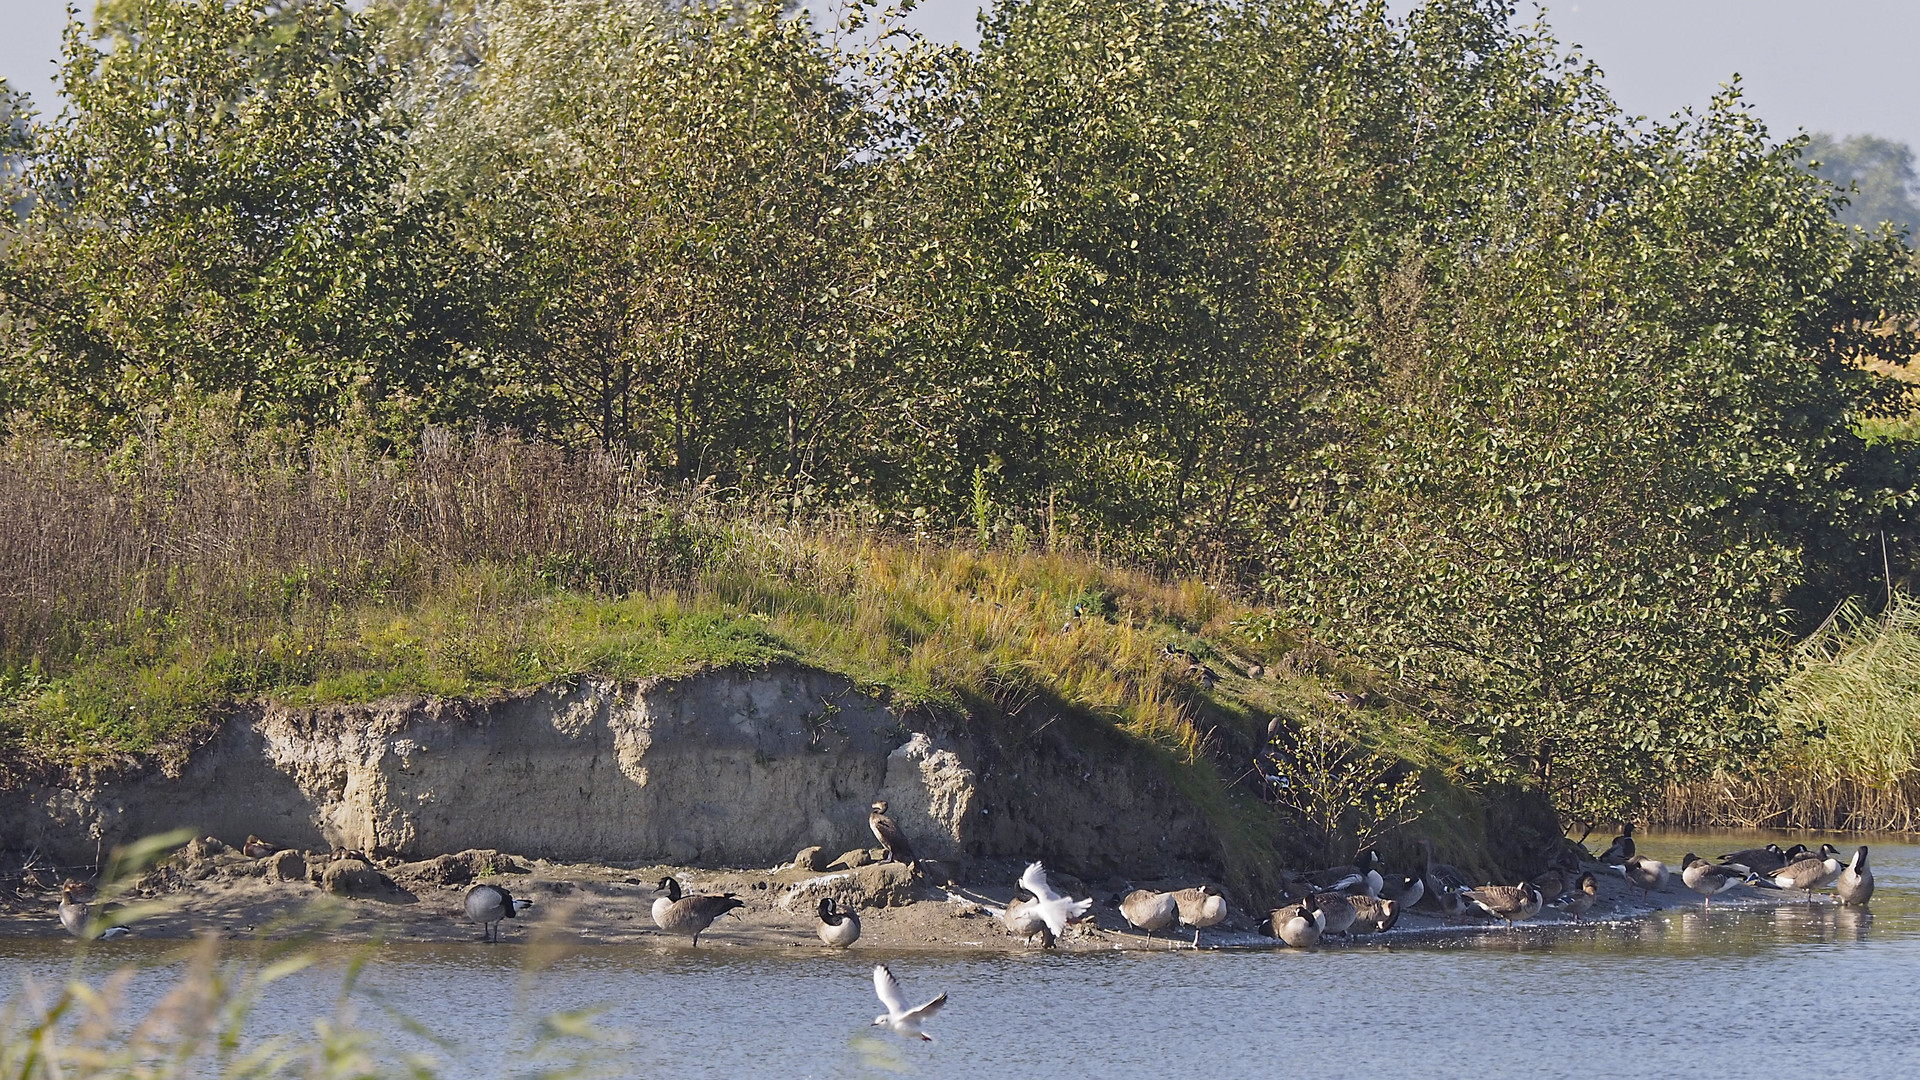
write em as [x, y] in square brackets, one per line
[1621, 999]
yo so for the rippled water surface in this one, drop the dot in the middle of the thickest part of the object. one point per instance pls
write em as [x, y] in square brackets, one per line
[1610, 999]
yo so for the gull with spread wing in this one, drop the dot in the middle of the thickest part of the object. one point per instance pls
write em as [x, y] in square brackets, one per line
[900, 1019]
[1052, 908]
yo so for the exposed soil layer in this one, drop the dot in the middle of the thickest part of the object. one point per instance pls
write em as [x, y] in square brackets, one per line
[724, 768]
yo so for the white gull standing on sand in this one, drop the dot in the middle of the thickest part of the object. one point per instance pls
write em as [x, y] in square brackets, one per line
[900, 1019]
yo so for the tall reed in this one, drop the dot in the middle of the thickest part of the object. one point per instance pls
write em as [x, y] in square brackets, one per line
[1848, 752]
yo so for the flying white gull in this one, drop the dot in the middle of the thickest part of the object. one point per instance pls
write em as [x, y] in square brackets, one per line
[900, 1019]
[1052, 908]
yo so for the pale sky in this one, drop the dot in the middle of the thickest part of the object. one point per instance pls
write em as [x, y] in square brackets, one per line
[1845, 66]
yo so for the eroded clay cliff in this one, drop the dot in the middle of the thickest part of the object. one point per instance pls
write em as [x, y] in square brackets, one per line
[725, 768]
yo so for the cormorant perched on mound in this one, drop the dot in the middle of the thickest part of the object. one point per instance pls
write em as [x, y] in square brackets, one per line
[889, 834]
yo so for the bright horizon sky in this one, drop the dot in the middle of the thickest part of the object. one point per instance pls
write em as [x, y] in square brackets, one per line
[1843, 66]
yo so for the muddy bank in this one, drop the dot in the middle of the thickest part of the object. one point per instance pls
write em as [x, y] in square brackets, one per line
[725, 768]
[901, 909]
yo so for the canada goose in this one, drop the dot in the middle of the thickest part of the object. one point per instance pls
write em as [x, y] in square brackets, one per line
[1377, 916]
[256, 848]
[74, 912]
[1855, 884]
[899, 1019]
[1809, 872]
[677, 914]
[1760, 860]
[1443, 882]
[1514, 903]
[1581, 899]
[1708, 879]
[488, 904]
[1648, 874]
[1339, 911]
[1622, 847]
[1403, 889]
[838, 929]
[1048, 906]
[1200, 907]
[1299, 925]
[1148, 910]
[889, 834]
[1363, 876]
[1023, 918]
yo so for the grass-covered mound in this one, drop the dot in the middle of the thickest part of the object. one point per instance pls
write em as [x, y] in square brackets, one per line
[185, 573]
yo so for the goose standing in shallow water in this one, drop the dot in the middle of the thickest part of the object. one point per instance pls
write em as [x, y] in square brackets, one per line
[899, 1019]
[1647, 874]
[889, 834]
[1148, 910]
[73, 910]
[488, 904]
[73, 914]
[1200, 907]
[838, 929]
[1855, 884]
[1809, 872]
[1709, 880]
[1514, 903]
[677, 914]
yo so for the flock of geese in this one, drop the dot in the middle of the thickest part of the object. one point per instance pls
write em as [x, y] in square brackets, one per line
[1333, 901]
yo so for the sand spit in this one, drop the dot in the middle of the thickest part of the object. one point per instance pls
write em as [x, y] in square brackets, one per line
[348, 899]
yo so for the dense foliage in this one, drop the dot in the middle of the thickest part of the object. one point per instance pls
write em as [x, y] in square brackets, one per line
[1399, 325]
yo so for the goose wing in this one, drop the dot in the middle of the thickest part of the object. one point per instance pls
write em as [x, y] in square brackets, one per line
[1497, 899]
[710, 908]
[1724, 873]
[1034, 880]
[888, 988]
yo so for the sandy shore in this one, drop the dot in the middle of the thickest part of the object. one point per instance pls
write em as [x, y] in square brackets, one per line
[901, 911]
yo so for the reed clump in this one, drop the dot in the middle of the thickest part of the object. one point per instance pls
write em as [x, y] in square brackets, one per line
[1847, 756]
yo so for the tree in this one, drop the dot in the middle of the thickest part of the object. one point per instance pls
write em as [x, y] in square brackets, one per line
[1607, 435]
[1874, 176]
[671, 201]
[211, 215]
